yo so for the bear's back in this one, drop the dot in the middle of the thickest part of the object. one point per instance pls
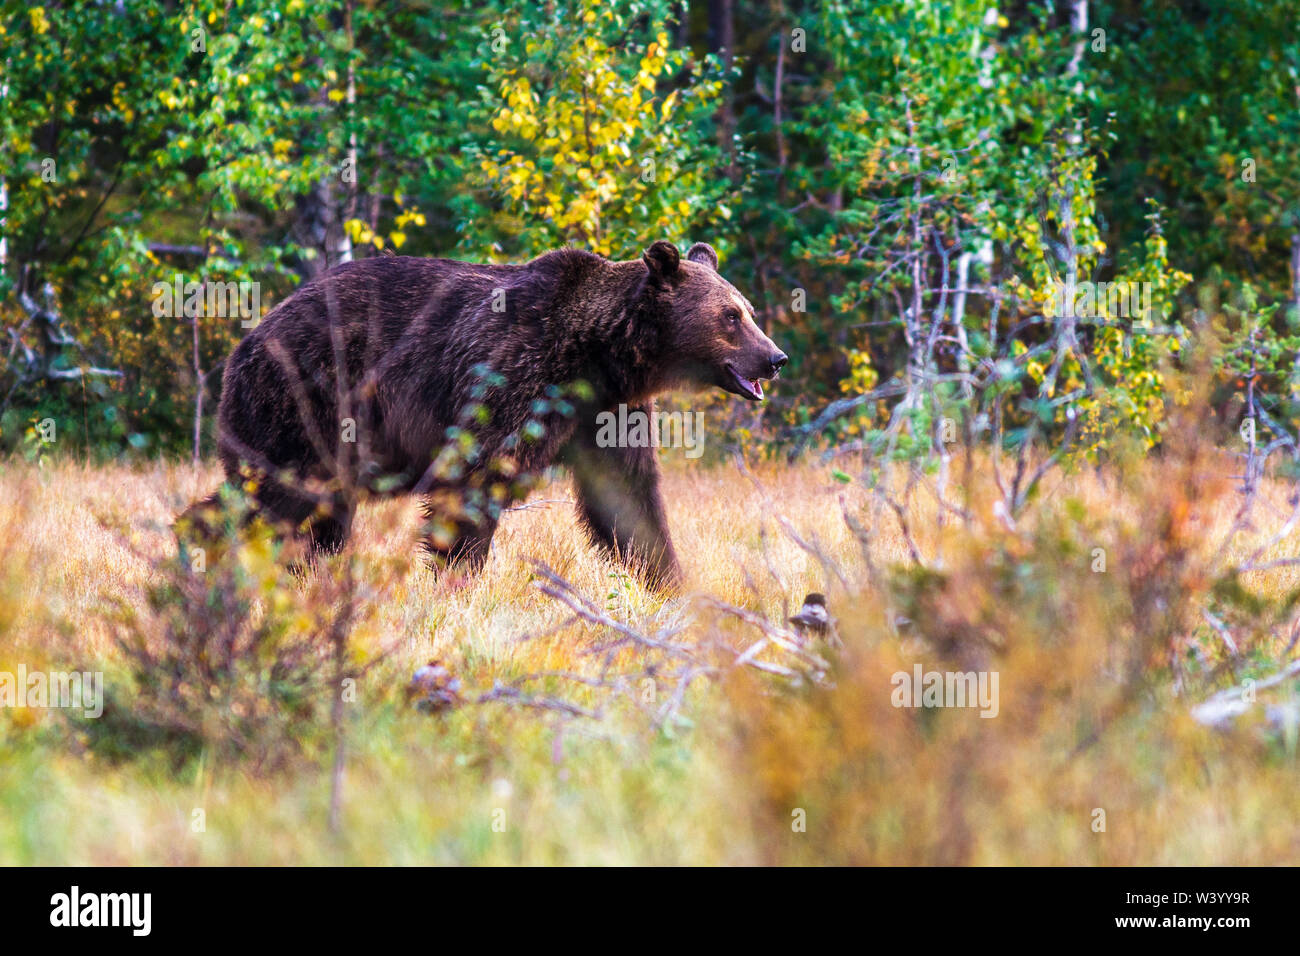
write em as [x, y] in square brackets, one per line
[388, 293]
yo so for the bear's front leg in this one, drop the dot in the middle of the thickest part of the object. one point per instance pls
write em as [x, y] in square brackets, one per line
[620, 503]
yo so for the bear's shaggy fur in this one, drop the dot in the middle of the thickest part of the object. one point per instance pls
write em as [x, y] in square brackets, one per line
[456, 381]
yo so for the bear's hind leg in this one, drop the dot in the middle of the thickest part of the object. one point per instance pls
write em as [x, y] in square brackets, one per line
[320, 522]
[460, 542]
[460, 520]
[329, 527]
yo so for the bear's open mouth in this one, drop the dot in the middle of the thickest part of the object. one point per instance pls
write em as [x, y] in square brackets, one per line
[750, 388]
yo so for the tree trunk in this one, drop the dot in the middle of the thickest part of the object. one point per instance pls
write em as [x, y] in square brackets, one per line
[722, 36]
[1295, 272]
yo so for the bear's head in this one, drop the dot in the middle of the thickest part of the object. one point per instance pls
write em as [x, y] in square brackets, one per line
[710, 336]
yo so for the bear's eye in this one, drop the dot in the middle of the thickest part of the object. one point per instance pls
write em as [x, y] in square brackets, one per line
[733, 318]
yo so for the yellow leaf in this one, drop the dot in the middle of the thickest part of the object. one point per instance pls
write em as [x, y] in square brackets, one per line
[669, 103]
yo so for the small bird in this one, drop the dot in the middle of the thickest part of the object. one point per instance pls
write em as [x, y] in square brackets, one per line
[433, 688]
[813, 618]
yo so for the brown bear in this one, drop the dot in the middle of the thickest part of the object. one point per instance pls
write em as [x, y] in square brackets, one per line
[457, 381]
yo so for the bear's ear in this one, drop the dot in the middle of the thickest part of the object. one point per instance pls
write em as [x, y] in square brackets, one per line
[704, 254]
[662, 258]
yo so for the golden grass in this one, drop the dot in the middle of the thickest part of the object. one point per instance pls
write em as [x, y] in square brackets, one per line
[878, 784]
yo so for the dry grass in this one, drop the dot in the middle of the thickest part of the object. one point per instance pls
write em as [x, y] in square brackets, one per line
[878, 784]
